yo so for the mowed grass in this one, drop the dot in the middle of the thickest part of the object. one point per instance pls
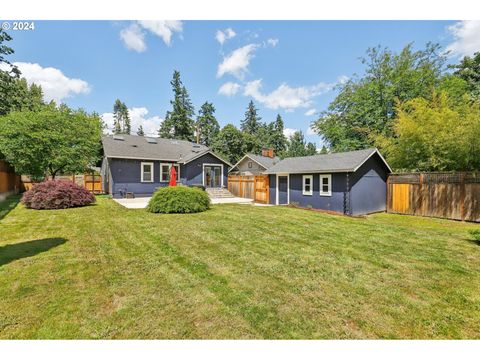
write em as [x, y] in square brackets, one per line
[235, 271]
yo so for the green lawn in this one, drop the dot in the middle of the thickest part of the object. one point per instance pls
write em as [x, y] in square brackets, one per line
[235, 271]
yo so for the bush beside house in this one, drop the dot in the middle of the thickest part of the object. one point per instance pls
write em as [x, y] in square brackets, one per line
[57, 195]
[179, 199]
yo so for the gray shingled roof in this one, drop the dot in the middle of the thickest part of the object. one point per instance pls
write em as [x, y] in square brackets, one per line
[265, 161]
[137, 147]
[336, 162]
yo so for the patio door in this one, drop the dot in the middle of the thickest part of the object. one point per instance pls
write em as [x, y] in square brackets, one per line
[212, 176]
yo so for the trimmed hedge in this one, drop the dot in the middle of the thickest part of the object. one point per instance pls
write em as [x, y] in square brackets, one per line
[179, 199]
[54, 194]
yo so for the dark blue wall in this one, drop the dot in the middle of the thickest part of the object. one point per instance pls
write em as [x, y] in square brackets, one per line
[126, 175]
[194, 171]
[369, 187]
[272, 181]
[332, 203]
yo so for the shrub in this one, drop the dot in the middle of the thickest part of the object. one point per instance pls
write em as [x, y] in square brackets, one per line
[56, 195]
[198, 186]
[475, 234]
[179, 199]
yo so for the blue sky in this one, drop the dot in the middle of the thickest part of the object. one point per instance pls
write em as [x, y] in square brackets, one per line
[286, 67]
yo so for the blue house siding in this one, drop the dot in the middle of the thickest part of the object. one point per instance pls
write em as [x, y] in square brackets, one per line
[366, 192]
[369, 187]
[332, 203]
[272, 180]
[194, 169]
[125, 174]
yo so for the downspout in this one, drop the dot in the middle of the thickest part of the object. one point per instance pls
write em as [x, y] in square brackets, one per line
[347, 209]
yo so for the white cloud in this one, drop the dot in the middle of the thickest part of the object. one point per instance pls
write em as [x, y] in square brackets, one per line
[134, 38]
[467, 37]
[236, 63]
[163, 28]
[310, 131]
[284, 96]
[310, 112]
[272, 42]
[288, 132]
[55, 85]
[229, 88]
[138, 116]
[342, 79]
[225, 35]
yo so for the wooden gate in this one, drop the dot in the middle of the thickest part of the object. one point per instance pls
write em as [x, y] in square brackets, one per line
[250, 187]
[445, 195]
[93, 183]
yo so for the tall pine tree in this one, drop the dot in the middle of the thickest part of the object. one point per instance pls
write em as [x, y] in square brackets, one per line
[278, 140]
[297, 146]
[207, 126]
[179, 123]
[251, 123]
[121, 118]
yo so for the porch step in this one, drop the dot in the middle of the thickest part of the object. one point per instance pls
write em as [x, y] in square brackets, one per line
[216, 193]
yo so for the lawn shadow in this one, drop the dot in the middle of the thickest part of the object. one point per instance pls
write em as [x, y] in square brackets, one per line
[474, 242]
[12, 252]
[8, 205]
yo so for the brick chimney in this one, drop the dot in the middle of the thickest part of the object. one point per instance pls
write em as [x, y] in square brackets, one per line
[268, 152]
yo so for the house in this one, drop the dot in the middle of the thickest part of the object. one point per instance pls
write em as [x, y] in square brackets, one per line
[140, 164]
[352, 183]
[252, 164]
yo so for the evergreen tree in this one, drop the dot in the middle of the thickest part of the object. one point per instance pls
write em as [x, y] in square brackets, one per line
[297, 146]
[207, 126]
[278, 140]
[121, 118]
[251, 123]
[324, 150]
[310, 149]
[179, 123]
[140, 131]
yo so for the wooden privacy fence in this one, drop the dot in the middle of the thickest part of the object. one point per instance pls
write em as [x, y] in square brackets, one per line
[9, 181]
[444, 195]
[91, 182]
[250, 187]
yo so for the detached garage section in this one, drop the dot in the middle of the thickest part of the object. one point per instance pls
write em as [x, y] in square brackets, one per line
[351, 183]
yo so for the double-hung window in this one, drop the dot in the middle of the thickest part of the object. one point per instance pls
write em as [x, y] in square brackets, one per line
[307, 188]
[147, 172]
[165, 172]
[326, 185]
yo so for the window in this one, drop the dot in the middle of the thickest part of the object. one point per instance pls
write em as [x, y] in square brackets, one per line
[147, 172]
[250, 164]
[165, 172]
[326, 185]
[307, 188]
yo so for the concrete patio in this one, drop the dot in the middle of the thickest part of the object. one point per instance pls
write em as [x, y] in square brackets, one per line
[142, 202]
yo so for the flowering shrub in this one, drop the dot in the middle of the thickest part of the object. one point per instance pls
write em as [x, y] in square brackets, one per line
[56, 195]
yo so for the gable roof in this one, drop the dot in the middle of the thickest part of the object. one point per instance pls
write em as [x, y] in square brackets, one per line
[149, 148]
[264, 161]
[337, 162]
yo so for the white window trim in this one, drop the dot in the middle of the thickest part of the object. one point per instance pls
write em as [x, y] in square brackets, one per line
[288, 188]
[203, 173]
[329, 192]
[304, 192]
[169, 167]
[152, 171]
